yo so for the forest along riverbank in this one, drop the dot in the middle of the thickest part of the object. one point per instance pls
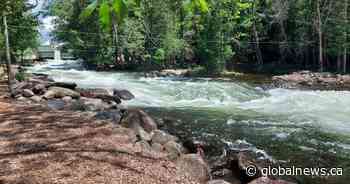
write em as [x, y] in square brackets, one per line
[312, 125]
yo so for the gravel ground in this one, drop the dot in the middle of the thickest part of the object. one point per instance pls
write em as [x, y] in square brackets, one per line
[38, 146]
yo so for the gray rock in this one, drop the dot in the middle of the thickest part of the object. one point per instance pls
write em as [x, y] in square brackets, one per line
[140, 118]
[157, 147]
[98, 93]
[194, 166]
[162, 138]
[174, 150]
[21, 98]
[27, 93]
[144, 145]
[67, 85]
[67, 99]
[39, 89]
[58, 92]
[56, 104]
[123, 94]
[147, 122]
[217, 182]
[141, 133]
[92, 104]
[265, 180]
[114, 115]
[36, 99]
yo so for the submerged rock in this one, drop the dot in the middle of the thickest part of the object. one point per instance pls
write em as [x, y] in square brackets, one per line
[123, 94]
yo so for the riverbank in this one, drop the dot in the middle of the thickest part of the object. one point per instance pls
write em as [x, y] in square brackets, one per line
[304, 80]
[52, 126]
[313, 81]
[43, 146]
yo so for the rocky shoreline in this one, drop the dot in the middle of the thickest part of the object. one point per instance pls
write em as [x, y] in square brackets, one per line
[105, 105]
[312, 81]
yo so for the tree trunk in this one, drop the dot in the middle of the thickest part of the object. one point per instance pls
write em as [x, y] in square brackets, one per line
[319, 30]
[256, 36]
[8, 56]
[345, 37]
[339, 60]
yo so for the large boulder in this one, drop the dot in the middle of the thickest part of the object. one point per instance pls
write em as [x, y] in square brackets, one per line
[174, 150]
[141, 133]
[39, 89]
[217, 182]
[93, 104]
[58, 92]
[27, 93]
[194, 166]
[162, 137]
[19, 87]
[35, 99]
[99, 93]
[138, 117]
[147, 122]
[123, 94]
[67, 99]
[266, 180]
[68, 85]
[91, 92]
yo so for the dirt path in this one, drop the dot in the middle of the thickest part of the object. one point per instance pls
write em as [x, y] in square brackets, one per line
[39, 146]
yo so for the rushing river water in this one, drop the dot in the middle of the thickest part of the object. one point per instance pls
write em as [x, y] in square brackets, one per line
[301, 128]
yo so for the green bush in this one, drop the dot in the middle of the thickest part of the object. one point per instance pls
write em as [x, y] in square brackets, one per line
[20, 76]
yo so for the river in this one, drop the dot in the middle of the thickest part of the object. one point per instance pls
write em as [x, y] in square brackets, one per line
[301, 128]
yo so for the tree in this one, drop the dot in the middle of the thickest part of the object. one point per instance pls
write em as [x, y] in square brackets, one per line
[8, 57]
[345, 36]
[111, 15]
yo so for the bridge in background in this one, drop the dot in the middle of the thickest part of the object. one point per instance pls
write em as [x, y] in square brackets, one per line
[53, 52]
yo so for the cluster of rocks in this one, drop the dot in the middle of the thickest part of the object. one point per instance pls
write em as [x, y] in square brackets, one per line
[314, 81]
[189, 156]
[66, 96]
[167, 73]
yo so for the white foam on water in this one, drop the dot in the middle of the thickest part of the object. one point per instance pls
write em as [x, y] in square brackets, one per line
[329, 110]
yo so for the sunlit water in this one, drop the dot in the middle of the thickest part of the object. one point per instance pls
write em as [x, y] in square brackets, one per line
[306, 128]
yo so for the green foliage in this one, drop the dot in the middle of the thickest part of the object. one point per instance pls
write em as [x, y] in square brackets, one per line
[212, 34]
[105, 15]
[20, 76]
[22, 27]
[121, 9]
[88, 11]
